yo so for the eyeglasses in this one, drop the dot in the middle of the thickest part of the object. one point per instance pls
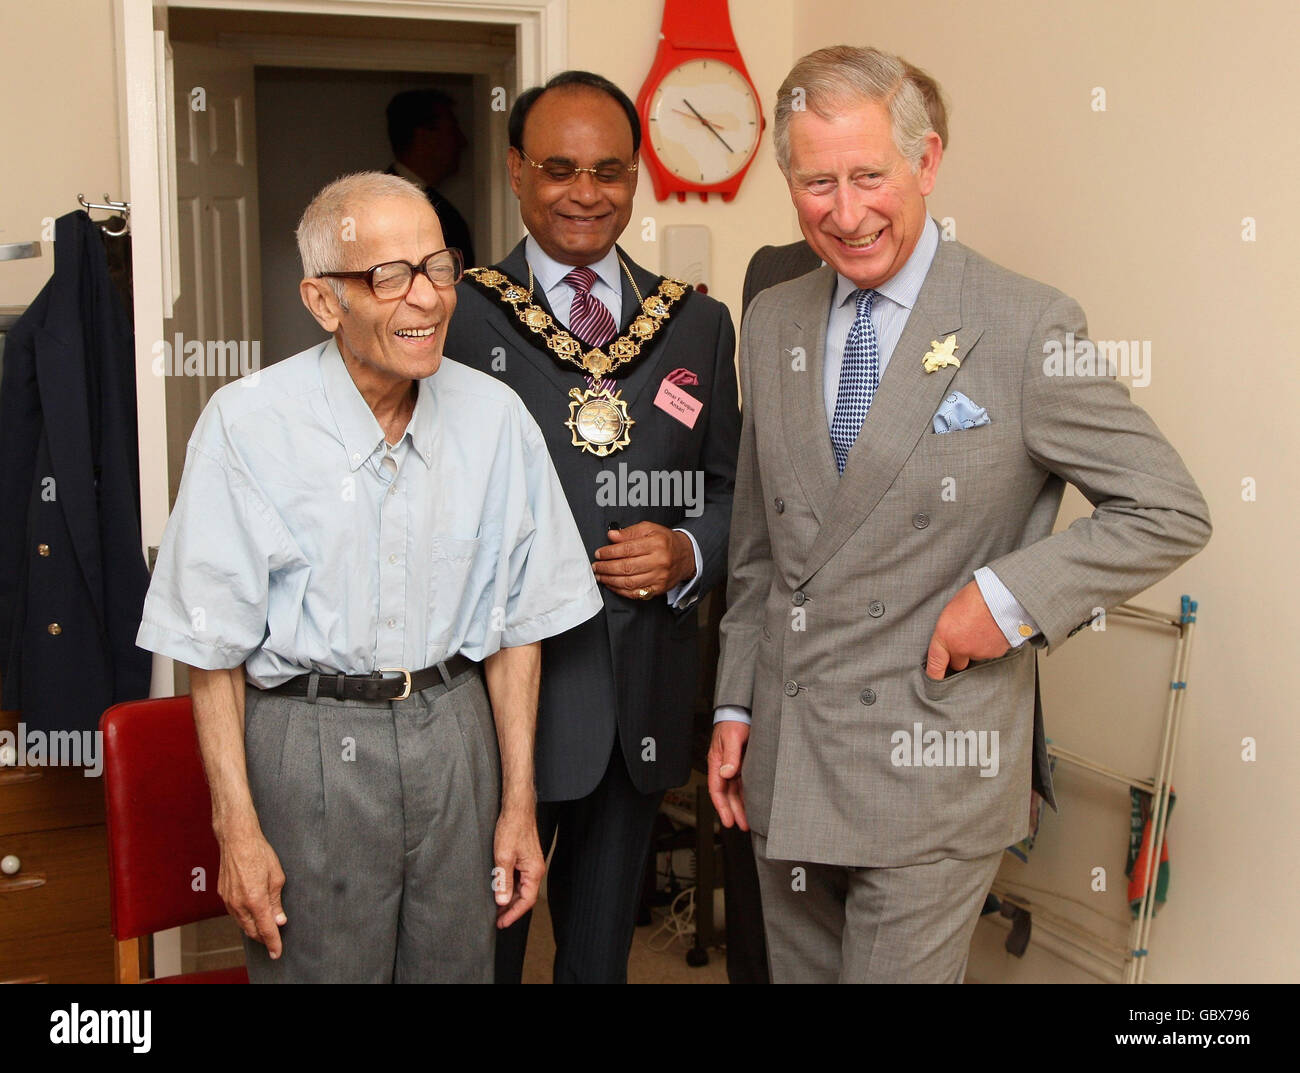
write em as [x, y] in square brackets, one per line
[392, 279]
[610, 173]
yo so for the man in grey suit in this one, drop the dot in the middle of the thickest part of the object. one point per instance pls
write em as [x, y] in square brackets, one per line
[907, 436]
[770, 265]
[632, 380]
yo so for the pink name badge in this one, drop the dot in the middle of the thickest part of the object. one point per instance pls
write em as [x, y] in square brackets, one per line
[673, 400]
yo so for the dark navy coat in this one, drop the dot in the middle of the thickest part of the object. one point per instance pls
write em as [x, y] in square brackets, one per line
[72, 571]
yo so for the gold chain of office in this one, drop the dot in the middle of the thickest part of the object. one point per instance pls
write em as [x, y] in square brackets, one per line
[597, 362]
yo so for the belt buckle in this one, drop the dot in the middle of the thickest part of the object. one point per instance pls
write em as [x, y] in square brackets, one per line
[406, 675]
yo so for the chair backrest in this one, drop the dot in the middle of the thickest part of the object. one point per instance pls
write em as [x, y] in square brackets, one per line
[163, 858]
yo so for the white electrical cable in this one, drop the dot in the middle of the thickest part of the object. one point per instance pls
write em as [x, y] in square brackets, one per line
[679, 923]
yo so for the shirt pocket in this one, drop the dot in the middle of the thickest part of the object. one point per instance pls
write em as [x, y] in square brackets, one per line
[454, 588]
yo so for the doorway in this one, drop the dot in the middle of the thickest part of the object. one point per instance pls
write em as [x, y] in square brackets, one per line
[269, 107]
[315, 124]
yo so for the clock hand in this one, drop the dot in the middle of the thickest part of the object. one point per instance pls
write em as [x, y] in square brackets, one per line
[707, 124]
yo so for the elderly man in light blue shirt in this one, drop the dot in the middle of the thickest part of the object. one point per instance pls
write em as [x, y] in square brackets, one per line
[361, 528]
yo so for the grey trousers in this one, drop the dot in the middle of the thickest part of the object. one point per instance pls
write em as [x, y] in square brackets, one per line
[831, 924]
[382, 815]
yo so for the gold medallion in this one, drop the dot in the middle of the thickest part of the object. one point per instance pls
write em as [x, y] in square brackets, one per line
[598, 421]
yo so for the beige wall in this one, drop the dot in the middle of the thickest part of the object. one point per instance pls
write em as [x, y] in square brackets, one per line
[68, 131]
[623, 49]
[58, 125]
[1137, 212]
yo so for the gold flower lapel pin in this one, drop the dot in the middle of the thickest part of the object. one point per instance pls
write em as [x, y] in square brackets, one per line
[942, 354]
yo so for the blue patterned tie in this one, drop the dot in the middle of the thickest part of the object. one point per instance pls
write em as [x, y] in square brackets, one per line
[859, 378]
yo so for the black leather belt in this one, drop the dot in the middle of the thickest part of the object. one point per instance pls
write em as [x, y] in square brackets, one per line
[390, 683]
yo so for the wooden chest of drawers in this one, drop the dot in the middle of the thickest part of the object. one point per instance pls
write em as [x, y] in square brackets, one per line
[54, 912]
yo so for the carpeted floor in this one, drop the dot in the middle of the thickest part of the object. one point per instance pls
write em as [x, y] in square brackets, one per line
[649, 963]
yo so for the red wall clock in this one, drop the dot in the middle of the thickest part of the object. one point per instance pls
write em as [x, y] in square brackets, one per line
[700, 116]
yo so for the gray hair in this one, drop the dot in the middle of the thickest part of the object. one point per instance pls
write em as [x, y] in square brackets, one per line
[322, 238]
[831, 79]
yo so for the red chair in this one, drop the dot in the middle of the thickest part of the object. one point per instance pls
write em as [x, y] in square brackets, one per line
[159, 831]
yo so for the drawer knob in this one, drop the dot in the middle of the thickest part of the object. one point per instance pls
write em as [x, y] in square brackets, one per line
[10, 865]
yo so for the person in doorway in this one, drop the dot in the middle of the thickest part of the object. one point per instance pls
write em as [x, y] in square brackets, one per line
[427, 144]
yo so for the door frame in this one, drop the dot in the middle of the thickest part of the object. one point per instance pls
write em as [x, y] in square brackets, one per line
[541, 48]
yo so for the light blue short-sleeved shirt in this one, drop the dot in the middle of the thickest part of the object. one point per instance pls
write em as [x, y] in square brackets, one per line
[300, 540]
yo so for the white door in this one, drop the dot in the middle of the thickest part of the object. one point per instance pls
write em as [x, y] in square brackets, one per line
[220, 301]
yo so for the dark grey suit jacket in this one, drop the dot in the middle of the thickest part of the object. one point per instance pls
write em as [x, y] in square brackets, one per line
[776, 264]
[635, 664]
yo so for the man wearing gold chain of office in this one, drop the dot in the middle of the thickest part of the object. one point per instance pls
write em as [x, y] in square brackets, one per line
[626, 371]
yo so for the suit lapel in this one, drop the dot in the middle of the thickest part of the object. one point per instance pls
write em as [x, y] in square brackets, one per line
[803, 407]
[515, 265]
[644, 368]
[646, 283]
[902, 409]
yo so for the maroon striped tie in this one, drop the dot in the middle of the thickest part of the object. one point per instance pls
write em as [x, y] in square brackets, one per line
[589, 319]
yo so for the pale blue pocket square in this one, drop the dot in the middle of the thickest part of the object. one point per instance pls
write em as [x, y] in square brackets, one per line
[957, 413]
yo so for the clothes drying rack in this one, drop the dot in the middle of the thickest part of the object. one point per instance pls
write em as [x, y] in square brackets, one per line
[1128, 961]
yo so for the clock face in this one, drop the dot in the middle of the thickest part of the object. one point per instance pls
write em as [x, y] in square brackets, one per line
[704, 121]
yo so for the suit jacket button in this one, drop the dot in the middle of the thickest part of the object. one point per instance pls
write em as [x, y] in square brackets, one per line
[779, 503]
[43, 550]
[868, 696]
[875, 609]
[791, 688]
[798, 598]
[54, 629]
[920, 520]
